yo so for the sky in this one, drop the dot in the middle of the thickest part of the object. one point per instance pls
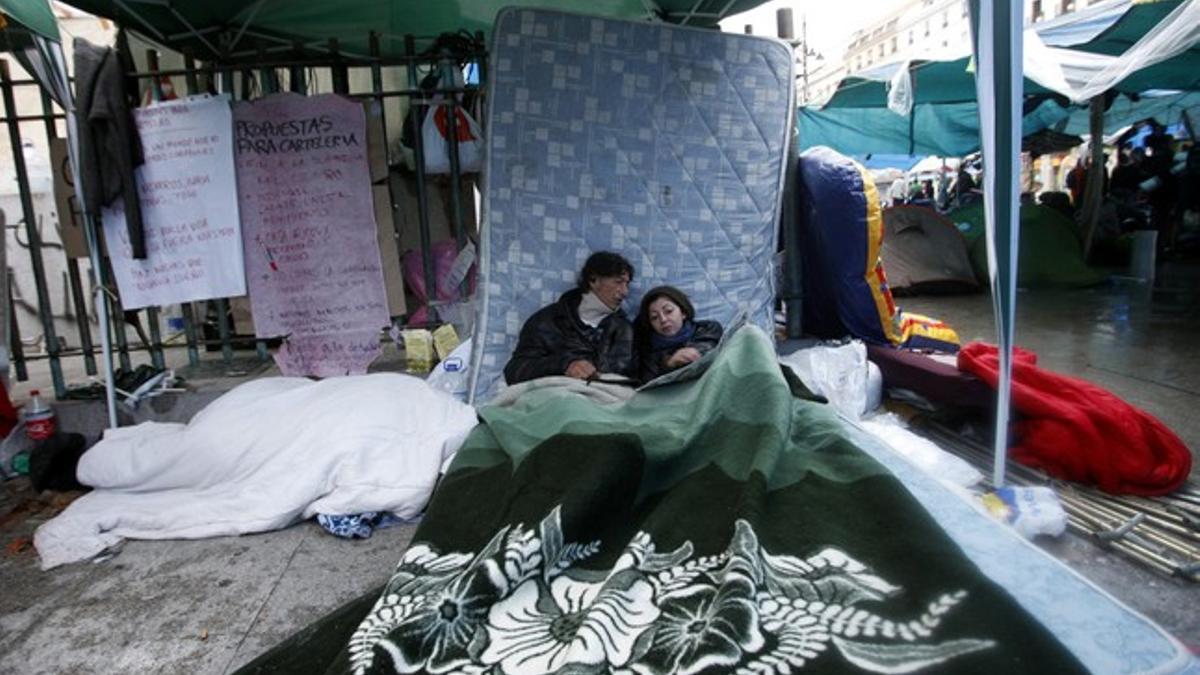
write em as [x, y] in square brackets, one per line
[830, 24]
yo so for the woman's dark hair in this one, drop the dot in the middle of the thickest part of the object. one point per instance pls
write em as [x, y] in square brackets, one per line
[669, 292]
[603, 264]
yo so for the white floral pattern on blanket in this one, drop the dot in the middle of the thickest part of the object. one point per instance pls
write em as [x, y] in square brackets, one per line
[523, 605]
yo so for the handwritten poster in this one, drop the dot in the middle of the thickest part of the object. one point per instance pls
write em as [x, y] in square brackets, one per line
[189, 213]
[308, 230]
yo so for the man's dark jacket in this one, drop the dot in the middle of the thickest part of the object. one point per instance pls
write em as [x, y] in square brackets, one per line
[109, 145]
[555, 336]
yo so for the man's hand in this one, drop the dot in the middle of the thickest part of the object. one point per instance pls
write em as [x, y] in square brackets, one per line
[682, 357]
[581, 369]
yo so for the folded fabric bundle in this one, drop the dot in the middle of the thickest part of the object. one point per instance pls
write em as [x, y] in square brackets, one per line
[1080, 432]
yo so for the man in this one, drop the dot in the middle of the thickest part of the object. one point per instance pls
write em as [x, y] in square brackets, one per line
[584, 333]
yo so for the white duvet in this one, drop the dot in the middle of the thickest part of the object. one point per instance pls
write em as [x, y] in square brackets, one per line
[260, 457]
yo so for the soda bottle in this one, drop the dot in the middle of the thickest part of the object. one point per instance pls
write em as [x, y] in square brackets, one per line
[39, 418]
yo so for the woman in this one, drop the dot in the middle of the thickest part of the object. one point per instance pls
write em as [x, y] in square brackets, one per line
[669, 336]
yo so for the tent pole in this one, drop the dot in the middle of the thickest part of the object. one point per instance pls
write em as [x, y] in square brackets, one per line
[1094, 188]
[996, 28]
[89, 229]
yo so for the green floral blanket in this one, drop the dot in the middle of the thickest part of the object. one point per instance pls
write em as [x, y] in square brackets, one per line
[722, 525]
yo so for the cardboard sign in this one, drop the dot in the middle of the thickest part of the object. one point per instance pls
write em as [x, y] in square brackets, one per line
[189, 213]
[70, 211]
[308, 229]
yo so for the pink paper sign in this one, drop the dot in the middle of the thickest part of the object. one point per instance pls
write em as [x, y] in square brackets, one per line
[308, 229]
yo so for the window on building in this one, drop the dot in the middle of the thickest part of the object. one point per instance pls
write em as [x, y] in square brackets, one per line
[910, 37]
[1036, 14]
[945, 18]
[894, 44]
[965, 11]
[1066, 6]
[926, 27]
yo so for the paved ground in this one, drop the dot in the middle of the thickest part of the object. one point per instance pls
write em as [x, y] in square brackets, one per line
[209, 606]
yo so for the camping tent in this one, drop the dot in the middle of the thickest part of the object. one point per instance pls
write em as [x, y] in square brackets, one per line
[923, 252]
[1050, 255]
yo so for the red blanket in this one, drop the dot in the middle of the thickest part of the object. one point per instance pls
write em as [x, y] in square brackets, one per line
[1075, 430]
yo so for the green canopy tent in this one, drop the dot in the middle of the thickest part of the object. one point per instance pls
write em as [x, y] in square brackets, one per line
[240, 30]
[1158, 42]
[31, 35]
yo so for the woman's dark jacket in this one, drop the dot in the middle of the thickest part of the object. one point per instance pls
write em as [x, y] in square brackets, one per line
[555, 336]
[654, 362]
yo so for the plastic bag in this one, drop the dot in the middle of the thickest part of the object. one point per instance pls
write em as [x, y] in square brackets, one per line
[435, 134]
[451, 375]
[1030, 510]
[444, 255]
[840, 373]
[14, 444]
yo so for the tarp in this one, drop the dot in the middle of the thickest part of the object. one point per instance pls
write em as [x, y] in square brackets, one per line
[203, 27]
[23, 18]
[944, 115]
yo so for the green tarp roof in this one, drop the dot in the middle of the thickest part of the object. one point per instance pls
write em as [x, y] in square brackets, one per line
[239, 28]
[945, 117]
[23, 17]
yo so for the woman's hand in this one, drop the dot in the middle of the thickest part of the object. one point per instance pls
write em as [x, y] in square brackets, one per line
[682, 357]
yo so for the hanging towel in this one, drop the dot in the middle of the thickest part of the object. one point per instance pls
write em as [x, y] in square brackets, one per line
[1077, 431]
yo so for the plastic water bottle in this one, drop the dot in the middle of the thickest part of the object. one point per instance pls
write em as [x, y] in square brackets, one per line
[39, 418]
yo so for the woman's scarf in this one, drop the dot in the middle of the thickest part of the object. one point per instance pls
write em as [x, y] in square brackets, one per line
[663, 342]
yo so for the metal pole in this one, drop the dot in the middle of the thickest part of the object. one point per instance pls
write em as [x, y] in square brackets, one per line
[1092, 197]
[14, 334]
[223, 303]
[31, 230]
[418, 118]
[192, 87]
[156, 348]
[82, 321]
[456, 210]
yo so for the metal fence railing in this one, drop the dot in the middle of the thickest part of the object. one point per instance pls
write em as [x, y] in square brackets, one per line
[207, 325]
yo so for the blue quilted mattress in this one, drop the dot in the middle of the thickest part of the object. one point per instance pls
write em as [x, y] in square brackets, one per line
[666, 144]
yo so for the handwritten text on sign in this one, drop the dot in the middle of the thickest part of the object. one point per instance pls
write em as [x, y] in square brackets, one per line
[186, 188]
[308, 227]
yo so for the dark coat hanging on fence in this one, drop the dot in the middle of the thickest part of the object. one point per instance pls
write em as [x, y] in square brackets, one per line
[109, 146]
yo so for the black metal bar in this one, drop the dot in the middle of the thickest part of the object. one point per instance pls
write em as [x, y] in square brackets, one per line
[376, 87]
[339, 58]
[296, 75]
[270, 85]
[14, 337]
[416, 119]
[74, 278]
[338, 70]
[456, 210]
[82, 317]
[118, 322]
[35, 239]
[156, 348]
[793, 281]
[188, 309]
[33, 118]
[223, 303]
